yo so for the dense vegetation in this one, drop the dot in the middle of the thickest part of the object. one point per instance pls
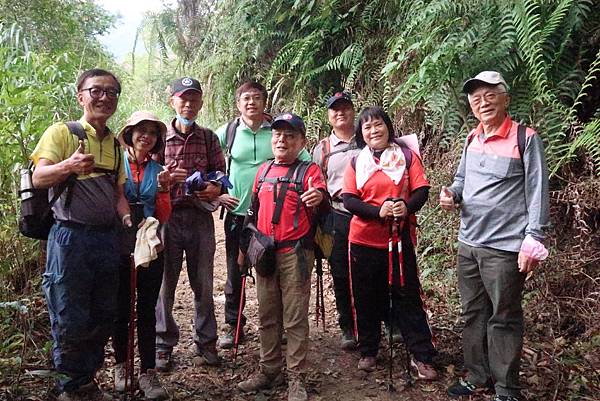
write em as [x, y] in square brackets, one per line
[411, 56]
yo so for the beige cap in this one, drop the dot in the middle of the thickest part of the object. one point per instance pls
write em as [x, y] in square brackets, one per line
[136, 118]
[484, 78]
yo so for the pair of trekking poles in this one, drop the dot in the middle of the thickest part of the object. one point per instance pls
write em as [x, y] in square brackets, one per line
[395, 236]
[395, 232]
[129, 393]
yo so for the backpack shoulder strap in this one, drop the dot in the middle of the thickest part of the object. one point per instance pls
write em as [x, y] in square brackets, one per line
[299, 174]
[407, 156]
[521, 138]
[279, 199]
[230, 132]
[76, 129]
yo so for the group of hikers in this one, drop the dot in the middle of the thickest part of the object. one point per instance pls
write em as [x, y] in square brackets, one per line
[145, 197]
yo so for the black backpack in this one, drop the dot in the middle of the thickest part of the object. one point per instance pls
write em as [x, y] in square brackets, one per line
[36, 217]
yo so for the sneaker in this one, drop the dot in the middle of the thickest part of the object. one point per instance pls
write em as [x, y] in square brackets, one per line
[151, 386]
[296, 391]
[348, 342]
[465, 388]
[208, 355]
[367, 363]
[424, 370]
[260, 381]
[227, 339]
[87, 392]
[164, 360]
[504, 398]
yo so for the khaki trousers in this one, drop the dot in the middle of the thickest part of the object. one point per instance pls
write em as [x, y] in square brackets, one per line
[283, 298]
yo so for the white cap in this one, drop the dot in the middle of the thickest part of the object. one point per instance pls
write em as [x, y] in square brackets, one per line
[485, 78]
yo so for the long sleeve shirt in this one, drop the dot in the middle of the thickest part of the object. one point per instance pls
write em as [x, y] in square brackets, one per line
[503, 198]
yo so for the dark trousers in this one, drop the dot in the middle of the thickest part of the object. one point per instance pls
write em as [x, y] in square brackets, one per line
[149, 280]
[338, 264]
[491, 289]
[370, 288]
[80, 283]
[233, 286]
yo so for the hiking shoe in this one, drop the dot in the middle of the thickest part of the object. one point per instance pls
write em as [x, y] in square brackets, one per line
[151, 386]
[260, 381]
[348, 342]
[367, 363]
[87, 392]
[164, 360]
[227, 339]
[208, 355]
[424, 370]
[504, 398]
[465, 388]
[296, 391]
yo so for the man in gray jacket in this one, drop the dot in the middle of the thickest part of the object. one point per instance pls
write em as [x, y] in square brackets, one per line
[501, 187]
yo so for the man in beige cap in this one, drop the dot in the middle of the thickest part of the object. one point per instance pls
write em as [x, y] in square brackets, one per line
[501, 186]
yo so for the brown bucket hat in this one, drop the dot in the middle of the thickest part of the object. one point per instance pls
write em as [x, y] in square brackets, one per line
[136, 118]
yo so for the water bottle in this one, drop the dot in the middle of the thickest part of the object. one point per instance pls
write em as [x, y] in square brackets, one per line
[26, 191]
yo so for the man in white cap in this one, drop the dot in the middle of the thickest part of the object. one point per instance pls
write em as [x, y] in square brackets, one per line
[501, 187]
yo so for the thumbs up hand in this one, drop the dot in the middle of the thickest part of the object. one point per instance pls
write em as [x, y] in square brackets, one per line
[447, 199]
[79, 162]
[312, 197]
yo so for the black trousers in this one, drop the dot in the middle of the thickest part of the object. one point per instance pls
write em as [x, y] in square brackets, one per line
[371, 299]
[233, 287]
[149, 280]
[338, 263]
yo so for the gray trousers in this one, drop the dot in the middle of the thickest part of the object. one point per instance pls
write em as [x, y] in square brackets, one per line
[491, 289]
[192, 232]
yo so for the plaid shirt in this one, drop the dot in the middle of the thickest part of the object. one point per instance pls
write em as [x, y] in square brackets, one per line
[197, 151]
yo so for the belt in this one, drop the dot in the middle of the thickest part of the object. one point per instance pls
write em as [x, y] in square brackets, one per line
[86, 227]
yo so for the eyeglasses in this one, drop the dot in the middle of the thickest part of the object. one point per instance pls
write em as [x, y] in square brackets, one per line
[97, 93]
[489, 97]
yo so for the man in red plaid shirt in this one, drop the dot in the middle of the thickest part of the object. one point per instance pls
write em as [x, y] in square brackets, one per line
[189, 148]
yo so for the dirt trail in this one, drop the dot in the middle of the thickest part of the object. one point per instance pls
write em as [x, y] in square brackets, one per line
[333, 374]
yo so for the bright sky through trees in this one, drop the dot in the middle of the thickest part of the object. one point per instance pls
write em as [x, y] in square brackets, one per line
[119, 41]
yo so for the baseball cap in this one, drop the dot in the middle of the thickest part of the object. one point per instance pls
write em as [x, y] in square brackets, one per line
[339, 96]
[181, 85]
[484, 77]
[289, 120]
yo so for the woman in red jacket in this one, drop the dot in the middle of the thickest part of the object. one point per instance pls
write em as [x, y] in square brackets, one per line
[385, 183]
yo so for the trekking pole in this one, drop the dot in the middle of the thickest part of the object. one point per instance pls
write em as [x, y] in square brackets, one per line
[399, 225]
[320, 299]
[131, 331]
[390, 386]
[238, 325]
[352, 306]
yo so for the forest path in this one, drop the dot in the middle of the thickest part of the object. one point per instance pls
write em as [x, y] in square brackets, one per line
[333, 373]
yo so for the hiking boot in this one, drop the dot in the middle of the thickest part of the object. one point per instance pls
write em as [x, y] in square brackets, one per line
[504, 398]
[208, 355]
[396, 334]
[227, 339]
[424, 370]
[296, 391]
[164, 360]
[367, 363]
[151, 386]
[87, 392]
[348, 342]
[465, 388]
[260, 381]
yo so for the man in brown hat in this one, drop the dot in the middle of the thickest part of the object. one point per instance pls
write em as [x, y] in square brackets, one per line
[501, 186]
[189, 148]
